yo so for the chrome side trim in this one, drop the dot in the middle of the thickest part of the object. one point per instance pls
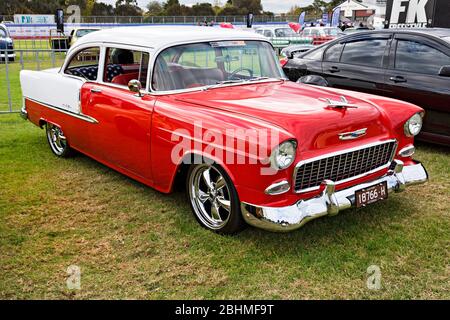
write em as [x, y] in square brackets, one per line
[328, 202]
[75, 115]
[300, 163]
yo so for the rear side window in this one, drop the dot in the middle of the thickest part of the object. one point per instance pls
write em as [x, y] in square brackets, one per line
[367, 52]
[123, 65]
[419, 58]
[85, 64]
[333, 54]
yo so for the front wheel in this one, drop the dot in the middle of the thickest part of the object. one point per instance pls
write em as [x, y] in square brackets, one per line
[213, 199]
[57, 141]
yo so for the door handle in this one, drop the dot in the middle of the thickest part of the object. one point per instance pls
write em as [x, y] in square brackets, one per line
[398, 79]
[96, 90]
[334, 69]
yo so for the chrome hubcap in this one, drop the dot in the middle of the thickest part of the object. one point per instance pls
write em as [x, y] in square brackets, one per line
[210, 196]
[56, 138]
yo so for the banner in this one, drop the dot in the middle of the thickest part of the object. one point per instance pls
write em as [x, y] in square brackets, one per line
[34, 19]
[301, 18]
[325, 18]
[335, 17]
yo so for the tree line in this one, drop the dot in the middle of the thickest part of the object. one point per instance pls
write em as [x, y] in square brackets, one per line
[315, 8]
[131, 8]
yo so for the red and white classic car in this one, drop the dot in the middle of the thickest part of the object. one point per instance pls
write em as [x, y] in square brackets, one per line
[211, 107]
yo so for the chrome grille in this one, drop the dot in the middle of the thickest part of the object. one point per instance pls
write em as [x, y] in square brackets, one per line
[343, 166]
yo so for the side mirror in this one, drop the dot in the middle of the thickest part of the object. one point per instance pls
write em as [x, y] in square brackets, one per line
[135, 86]
[445, 71]
[314, 80]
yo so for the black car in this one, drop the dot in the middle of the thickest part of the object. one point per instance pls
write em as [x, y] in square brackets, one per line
[6, 45]
[410, 65]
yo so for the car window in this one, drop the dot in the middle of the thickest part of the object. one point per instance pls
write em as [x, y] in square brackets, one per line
[333, 31]
[367, 52]
[317, 32]
[333, 54]
[285, 32]
[315, 54]
[268, 33]
[420, 58]
[123, 65]
[211, 63]
[83, 32]
[85, 64]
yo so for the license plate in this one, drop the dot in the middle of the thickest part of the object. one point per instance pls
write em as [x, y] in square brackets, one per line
[371, 194]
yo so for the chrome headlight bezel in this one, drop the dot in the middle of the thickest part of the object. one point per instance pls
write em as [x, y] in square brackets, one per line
[413, 125]
[286, 150]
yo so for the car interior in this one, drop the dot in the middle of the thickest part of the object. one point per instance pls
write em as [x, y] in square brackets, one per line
[121, 66]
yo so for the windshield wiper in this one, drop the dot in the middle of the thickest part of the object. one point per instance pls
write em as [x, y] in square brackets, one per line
[230, 81]
[219, 83]
[258, 78]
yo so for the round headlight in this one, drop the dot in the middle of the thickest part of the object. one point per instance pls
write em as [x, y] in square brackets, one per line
[413, 125]
[283, 155]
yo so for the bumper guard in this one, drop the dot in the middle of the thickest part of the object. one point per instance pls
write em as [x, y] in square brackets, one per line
[329, 202]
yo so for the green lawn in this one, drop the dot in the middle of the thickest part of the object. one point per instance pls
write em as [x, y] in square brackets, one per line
[133, 242]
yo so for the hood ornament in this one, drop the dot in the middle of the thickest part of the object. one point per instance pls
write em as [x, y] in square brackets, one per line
[352, 135]
[343, 103]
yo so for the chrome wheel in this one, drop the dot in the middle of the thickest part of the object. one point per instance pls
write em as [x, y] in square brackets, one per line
[56, 139]
[210, 196]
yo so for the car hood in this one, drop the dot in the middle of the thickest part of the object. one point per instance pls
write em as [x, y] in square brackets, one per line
[299, 109]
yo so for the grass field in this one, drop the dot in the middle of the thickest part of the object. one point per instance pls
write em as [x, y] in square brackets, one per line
[28, 60]
[133, 242]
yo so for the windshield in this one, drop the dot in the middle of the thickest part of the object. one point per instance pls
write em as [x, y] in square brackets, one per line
[333, 31]
[2, 33]
[285, 32]
[214, 63]
[81, 33]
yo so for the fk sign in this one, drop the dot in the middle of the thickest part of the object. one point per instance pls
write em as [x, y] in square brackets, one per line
[408, 13]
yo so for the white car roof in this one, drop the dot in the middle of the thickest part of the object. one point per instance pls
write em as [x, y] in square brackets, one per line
[158, 37]
[281, 26]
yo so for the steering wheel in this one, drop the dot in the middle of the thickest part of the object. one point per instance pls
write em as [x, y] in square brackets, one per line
[235, 72]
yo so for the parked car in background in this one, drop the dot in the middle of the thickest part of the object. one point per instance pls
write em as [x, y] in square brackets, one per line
[293, 50]
[354, 30]
[77, 33]
[6, 45]
[321, 35]
[283, 36]
[410, 65]
[169, 106]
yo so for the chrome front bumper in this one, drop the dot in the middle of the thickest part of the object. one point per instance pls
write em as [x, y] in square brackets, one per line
[329, 202]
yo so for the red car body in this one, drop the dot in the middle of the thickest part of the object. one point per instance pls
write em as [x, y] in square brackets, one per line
[133, 135]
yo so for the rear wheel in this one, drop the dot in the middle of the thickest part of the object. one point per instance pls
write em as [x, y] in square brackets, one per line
[213, 199]
[57, 141]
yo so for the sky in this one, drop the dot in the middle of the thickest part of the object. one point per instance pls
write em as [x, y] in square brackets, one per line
[277, 6]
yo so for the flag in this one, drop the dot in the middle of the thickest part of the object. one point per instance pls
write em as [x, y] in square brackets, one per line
[335, 17]
[301, 18]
